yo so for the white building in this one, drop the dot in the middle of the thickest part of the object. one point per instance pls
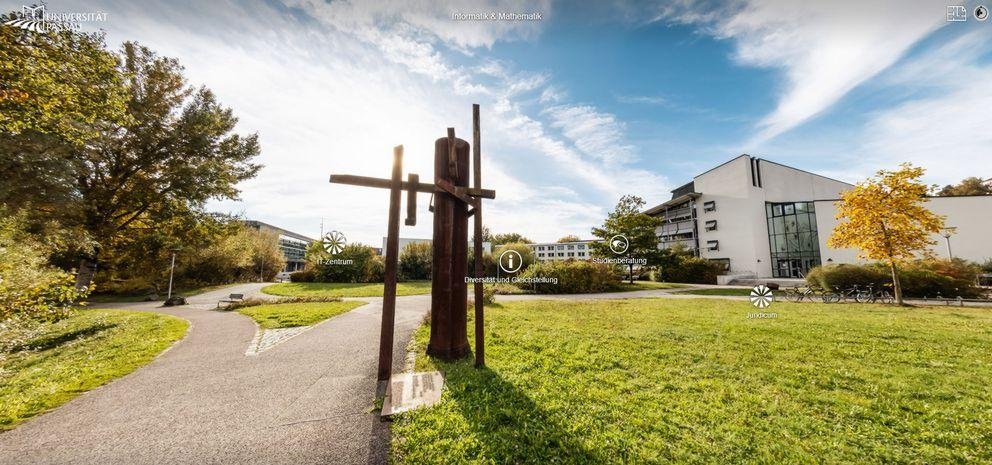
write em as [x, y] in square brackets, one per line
[577, 250]
[760, 218]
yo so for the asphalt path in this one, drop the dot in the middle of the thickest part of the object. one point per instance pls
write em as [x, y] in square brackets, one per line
[307, 400]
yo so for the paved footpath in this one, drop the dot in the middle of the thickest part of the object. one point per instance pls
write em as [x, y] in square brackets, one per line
[307, 400]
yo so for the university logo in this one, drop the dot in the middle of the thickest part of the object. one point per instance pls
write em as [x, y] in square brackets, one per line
[36, 18]
[32, 18]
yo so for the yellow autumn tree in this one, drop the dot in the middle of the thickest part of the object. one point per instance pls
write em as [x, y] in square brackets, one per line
[886, 218]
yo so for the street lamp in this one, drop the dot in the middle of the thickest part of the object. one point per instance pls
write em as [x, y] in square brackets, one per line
[947, 232]
[172, 271]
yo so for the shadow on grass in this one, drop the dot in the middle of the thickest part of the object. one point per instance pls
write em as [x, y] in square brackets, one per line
[509, 426]
[55, 340]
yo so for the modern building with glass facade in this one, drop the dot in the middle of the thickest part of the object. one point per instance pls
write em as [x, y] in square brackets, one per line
[764, 219]
[293, 245]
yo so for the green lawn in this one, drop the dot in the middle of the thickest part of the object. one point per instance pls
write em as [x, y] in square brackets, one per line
[344, 289]
[648, 285]
[697, 381]
[296, 314]
[732, 291]
[72, 356]
[104, 298]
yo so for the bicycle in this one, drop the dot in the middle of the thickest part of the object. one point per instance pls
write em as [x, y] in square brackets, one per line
[850, 293]
[797, 293]
[870, 295]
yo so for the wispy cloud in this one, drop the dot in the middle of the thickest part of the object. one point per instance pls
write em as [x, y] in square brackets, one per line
[824, 49]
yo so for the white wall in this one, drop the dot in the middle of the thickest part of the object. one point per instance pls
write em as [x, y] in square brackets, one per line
[972, 240]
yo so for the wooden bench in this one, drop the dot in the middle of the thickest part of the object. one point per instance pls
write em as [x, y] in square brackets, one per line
[233, 298]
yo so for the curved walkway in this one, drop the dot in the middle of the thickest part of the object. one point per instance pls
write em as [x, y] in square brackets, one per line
[307, 400]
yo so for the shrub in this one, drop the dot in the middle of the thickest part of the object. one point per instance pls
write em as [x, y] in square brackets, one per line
[526, 253]
[30, 288]
[840, 277]
[920, 278]
[415, 261]
[689, 269]
[356, 263]
[304, 276]
[488, 264]
[574, 277]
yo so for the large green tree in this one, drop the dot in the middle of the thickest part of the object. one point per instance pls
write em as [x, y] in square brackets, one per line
[174, 149]
[628, 220]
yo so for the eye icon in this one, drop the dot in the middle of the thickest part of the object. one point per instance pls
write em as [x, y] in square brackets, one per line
[619, 244]
[981, 13]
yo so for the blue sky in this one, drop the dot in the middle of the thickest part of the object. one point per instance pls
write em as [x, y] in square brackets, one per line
[590, 103]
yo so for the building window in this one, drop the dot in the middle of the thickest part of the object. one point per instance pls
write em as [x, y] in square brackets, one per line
[571, 254]
[582, 254]
[711, 225]
[561, 247]
[792, 238]
[712, 245]
[561, 254]
[709, 206]
[571, 247]
[582, 246]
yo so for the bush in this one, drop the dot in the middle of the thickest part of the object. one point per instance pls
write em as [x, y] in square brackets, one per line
[415, 261]
[304, 276]
[526, 253]
[574, 277]
[30, 288]
[839, 277]
[920, 278]
[488, 264]
[356, 263]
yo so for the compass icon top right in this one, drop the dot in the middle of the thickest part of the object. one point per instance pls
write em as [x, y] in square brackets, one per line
[981, 13]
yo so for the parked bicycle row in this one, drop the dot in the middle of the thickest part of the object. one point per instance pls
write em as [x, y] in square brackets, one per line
[855, 293]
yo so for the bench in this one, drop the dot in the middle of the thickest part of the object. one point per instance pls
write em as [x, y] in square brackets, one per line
[233, 298]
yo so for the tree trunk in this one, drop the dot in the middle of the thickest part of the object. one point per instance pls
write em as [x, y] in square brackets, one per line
[86, 271]
[896, 287]
[631, 275]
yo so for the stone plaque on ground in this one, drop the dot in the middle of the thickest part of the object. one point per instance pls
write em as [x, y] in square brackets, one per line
[408, 391]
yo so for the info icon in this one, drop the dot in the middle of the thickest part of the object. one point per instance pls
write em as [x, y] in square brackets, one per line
[510, 261]
[981, 13]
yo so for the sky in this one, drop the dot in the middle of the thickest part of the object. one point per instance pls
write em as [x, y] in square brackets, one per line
[592, 101]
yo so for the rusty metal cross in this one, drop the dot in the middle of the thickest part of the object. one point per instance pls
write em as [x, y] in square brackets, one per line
[452, 199]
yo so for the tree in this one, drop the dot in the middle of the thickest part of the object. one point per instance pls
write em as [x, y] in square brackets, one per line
[415, 261]
[968, 186]
[569, 238]
[638, 228]
[63, 83]
[174, 150]
[526, 253]
[508, 238]
[886, 219]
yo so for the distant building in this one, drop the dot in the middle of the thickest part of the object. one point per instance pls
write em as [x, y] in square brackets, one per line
[764, 219]
[405, 241]
[548, 251]
[293, 245]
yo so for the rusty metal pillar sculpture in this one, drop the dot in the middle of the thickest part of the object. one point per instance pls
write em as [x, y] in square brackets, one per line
[448, 339]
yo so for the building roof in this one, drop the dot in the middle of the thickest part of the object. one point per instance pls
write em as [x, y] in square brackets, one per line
[284, 232]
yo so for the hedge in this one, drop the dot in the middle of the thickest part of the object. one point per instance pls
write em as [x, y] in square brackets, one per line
[920, 278]
[574, 277]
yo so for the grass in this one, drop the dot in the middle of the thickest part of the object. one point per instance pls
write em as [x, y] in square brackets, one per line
[697, 381]
[105, 298]
[647, 285]
[72, 356]
[344, 289]
[727, 291]
[296, 314]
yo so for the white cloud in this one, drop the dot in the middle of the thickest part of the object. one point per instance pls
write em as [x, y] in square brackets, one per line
[331, 87]
[825, 49]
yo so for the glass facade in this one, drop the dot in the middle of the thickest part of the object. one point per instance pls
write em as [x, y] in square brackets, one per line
[792, 238]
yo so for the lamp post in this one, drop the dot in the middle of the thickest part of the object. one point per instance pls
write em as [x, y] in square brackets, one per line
[172, 271]
[947, 232]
